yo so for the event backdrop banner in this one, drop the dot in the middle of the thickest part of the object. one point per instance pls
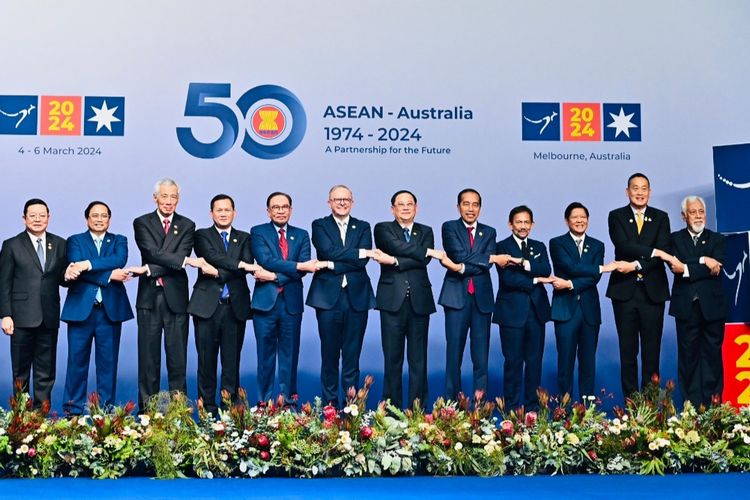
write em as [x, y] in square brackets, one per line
[537, 103]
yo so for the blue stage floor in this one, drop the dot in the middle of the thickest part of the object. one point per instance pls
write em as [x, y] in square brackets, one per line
[578, 486]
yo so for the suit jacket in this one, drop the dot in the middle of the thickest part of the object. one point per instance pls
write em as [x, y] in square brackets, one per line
[583, 271]
[456, 244]
[700, 283]
[209, 244]
[630, 246]
[517, 295]
[264, 241]
[411, 271]
[28, 293]
[326, 283]
[164, 255]
[82, 292]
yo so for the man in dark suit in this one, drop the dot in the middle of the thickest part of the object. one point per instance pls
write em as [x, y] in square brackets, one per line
[639, 288]
[578, 261]
[699, 304]
[165, 240]
[466, 295]
[32, 268]
[283, 250]
[221, 306]
[404, 297]
[341, 292]
[521, 309]
[95, 307]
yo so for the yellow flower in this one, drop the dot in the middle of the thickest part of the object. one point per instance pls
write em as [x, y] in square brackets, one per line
[573, 439]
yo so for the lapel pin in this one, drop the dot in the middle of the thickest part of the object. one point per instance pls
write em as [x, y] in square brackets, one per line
[585, 250]
[291, 238]
[108, 240]
[354, 227]
[234, 240]
[703, 242]
[175, 231]
[648, 219]
[49, 246]
[480, 233]
[630, 220]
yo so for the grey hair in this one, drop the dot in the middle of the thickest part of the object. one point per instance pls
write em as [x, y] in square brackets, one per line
[337, 186]
[690, 199]
[166, 181]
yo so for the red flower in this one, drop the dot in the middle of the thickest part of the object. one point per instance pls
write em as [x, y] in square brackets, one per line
[366, 432]
[592, 455]
[32, 452]
[264, 455]
[447, 443]
[530, 420]
[428, 418]
[263, 441]
[507, 427]
[329, 413]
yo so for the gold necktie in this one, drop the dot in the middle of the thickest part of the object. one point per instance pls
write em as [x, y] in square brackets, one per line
[639, 221]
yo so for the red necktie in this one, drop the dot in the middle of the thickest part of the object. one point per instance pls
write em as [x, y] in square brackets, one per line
[282, 244]
[471, 244]
[166, 231]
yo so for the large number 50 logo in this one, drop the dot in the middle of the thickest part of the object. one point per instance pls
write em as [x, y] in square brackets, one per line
[274, 121]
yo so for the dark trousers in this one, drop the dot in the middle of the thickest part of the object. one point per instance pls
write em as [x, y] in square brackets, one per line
[523, 348]
[341, 330]
[221, 333]
[151, 323]
[277, 335]
[35, 348]
[105, 334]
[638, 321]
[398, 327]
[460, 324]
[700, 370]
[576, 337]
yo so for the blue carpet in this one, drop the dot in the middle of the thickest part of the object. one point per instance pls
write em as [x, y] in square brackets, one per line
[578, 486]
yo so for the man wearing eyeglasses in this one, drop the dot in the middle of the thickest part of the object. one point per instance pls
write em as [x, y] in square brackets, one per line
[404, 297]
[284, 250]
[341, 292]
[165, 240]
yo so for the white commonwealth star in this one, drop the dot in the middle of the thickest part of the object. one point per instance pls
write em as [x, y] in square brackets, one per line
[622, 123]
[105, 116]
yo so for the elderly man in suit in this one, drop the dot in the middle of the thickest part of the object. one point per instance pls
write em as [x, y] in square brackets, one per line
[220, 306]
[699, 304]
[639, 288]
[578, 262]
[283, 250]
[521, 309]
[95, 307]
[165, 240]
[341, 292]
[32, 268]
[404, 297]
[466, 295]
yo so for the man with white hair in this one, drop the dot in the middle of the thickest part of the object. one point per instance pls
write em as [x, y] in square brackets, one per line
[698, 305]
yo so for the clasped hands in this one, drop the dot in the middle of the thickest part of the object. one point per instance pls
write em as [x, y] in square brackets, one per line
[678, 267]
[75, 269]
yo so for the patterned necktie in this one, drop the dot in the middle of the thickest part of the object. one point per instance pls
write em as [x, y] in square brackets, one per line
[695, 240]
[282, 244]
[40, 252]
[166, 226]
[470, 289]
[407, 234]
[639, 221]
[579, 245]
[98, 243]
[225, 237]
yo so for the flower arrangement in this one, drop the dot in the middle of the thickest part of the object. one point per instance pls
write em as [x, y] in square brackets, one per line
[470, 436]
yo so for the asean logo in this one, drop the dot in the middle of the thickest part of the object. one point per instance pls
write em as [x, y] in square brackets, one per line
[274, 121]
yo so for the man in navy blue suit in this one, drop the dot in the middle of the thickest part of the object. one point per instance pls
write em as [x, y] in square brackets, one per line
[95, 308]
[699, 304]
[341, 292]
[467, 296]
[521, 309]
[578, 261]
[283, 250]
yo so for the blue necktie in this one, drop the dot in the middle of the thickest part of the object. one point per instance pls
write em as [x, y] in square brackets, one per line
[225, 237]
[407, 234]
[40, 251]
[98, 243]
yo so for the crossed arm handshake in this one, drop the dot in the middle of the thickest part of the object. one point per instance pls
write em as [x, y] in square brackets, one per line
[678, 267]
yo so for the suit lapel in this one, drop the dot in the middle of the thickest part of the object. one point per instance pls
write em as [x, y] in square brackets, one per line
[51, 254]
[463, 235]
[26, 243]
[571, 247]
[332, 228]
[512, 247]
[233, 248]
[351, 231]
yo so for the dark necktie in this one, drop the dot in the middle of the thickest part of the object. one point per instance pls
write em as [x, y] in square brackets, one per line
[282, 244]
[695, 239]
[225, 237]
[166, 231]
[471, 244]
[407, 234]
[525, 250]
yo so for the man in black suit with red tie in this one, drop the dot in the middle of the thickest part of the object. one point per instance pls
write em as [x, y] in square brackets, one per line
[639, 288]
[404, 297]
[165, 240]
[32, 268]
[699, 304]
[220, 306]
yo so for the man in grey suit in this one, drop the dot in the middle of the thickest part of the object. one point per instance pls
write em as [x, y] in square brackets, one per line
[32, 267]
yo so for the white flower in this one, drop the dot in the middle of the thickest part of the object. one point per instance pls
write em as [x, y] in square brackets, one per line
[352, 410]
[692, 437]
[573, 439]
[476, 439]
[458, 446]
[2, 431]
[746, 439]
[624, 418]
[145, 420]
[679, 433]
[28, 439]
[22, 450]
[652, 446]
[158, 415]
[217, 426]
